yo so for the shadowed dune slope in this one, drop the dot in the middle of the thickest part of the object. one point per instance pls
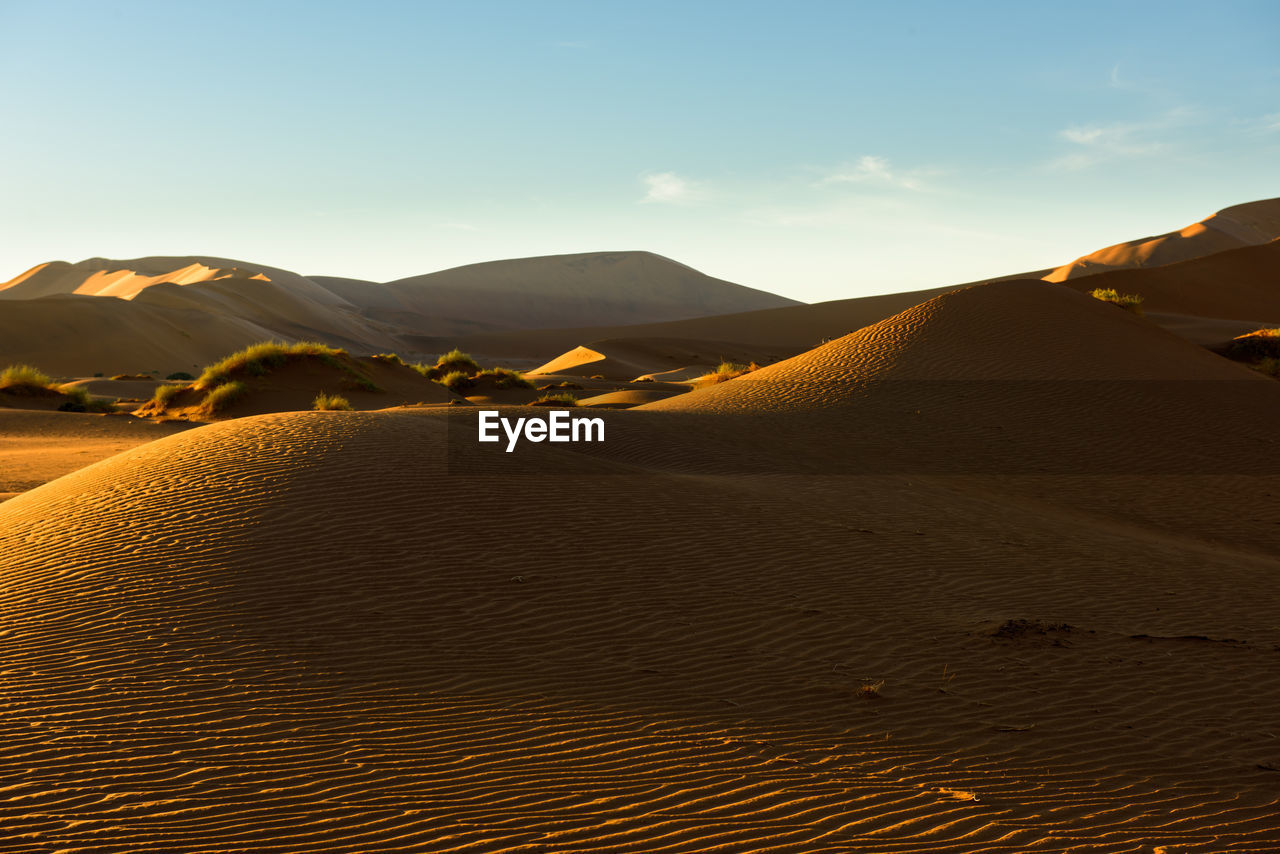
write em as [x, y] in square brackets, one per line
[1230, 228]
[79, 335]
[319, 631]
[590, 288]
[1023, 330]
[628, 358]
[790, 329]
[1241, 284]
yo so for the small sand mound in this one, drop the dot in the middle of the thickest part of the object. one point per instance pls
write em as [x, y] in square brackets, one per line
[294, 384]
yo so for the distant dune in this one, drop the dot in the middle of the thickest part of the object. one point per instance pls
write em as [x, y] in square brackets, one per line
[214, 302]
[1230, 228]
[802, 607]
[1239, 284]
[985, 568]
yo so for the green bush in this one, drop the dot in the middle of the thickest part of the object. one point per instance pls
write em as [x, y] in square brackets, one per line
[259, 359]
[563, 399]
[457, 381]
[78, 400]
[1129, 302]
[24, 377]
[724, 372]
[218, 399]
[1269, 366]
[180, 375]
[456, 360]
[502, 378]
[331, 403]
[165, 394]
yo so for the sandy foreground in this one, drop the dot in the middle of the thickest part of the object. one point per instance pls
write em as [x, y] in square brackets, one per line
[995, 574]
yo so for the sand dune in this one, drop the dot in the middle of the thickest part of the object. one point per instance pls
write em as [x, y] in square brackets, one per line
[364, 383]
[126, 279]
[73, 336]
[593, 655]
[1239, 284]
[781, 331]
[1231, 228]
[630, 358]
[214, 302]
[574, 290]
[1018, 330]
[992, 572]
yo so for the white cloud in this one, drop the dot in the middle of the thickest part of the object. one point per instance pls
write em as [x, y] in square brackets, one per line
[670, 188]
[876, 171]
[1099, 143]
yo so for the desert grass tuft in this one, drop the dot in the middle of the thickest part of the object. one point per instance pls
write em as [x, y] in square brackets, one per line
[502, 378]
[259, 359]
[870, 689]
[165, 394]
[1255, 346]
[456, 360]
[562, 399]
[180, 375]
[724, 372]
[1269, 366]
[24, 377]
[78, 400]
[331, 403]
[1129, 302]
[456, 381]
[221, 397]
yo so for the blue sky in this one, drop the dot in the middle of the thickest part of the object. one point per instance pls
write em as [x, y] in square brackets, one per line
[820, 149]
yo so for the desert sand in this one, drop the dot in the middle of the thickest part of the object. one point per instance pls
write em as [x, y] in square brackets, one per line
[992, 571]
[1248, 224]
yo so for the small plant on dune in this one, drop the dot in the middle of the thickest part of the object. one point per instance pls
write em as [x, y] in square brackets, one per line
[456, 381]
[180, 375]
[503, 378]
[1254, 346]
[221, 397]
[563, 399]
[724, 372]
[562, 384]
[1269, 366]
[78, 400]
[258, 360]
[18, 379]
[1129, 302]
[331, 403]
[165, 394]
[389, 358]
[870, 689]
[131, 377]
[456, 360]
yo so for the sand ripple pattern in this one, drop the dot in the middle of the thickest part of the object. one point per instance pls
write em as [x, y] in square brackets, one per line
[313, 632]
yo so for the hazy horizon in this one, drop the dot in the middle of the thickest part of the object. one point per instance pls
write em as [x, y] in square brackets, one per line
[819, 150]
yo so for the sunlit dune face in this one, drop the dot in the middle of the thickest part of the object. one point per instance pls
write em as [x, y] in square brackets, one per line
[127, 284]
[23, 277]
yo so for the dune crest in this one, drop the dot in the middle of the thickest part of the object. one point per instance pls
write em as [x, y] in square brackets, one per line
[1230, 228]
